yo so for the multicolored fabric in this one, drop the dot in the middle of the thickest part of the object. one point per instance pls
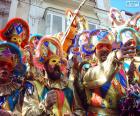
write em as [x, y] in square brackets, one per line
[11, 83]
[65, 92]
[16, 31]
[13, 102]
[67, 100]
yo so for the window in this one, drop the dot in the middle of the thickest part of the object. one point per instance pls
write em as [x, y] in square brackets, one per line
[100, 4]
[55, 23]
[91, 26]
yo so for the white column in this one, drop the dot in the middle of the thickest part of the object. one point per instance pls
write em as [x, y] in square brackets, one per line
[13, 9]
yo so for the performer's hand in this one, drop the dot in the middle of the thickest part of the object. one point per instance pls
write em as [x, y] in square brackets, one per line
[4, 113]
[51, 98]
[126, 51]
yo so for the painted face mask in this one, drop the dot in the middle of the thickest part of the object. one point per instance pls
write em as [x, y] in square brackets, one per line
[54, 68]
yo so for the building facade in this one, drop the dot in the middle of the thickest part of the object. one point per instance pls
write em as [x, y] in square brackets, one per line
[48, 16]
[4, 11]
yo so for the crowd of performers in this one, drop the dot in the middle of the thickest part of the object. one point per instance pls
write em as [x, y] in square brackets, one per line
[80, 73]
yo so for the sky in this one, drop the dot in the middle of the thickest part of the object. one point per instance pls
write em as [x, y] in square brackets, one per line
[127, 5]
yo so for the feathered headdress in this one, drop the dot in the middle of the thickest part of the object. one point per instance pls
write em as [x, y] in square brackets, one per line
[16, 31]
[48, 47]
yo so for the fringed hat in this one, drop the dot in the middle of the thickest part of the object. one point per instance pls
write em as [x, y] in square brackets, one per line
[48, 47]
[101, 36]
[125, 34]
[16, 31]
[86, 46]
[34, 40]
[80, 40]
[11, 55]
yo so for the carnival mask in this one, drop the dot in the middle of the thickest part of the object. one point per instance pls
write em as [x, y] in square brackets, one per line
[16, 39]
[54, 68]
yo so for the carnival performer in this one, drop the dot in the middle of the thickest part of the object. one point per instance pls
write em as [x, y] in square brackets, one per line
[12, 84]
[82, 50]
[82, 54]
[105, 83]
[33, 73]
[130, 34]
[56, 96]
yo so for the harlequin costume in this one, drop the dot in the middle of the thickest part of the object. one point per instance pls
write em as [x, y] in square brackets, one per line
[49, 49]
[105, 83]
[12, 86]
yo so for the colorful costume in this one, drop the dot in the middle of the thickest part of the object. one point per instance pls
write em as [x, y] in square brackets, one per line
[49, 49]
[12, 86]
[106, 82]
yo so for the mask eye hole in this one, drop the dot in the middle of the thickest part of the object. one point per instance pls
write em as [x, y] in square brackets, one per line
[53, 61]
[14, 38]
